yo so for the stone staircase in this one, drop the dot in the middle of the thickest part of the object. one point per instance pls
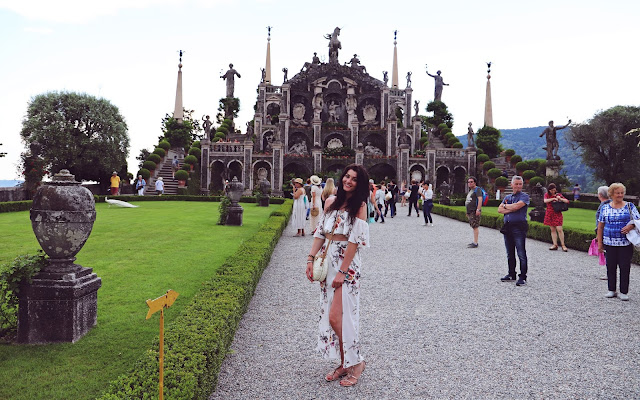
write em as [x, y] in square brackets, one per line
[165, 171]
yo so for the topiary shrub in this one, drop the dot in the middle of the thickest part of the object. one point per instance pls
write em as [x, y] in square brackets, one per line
[223, 129]
[528, 174]
[145, 173]
[482, 158]
[164, 144]
[154, 158]
[449, 135]
[150, 165]
[160, 151]
[522, 166]
[515, 159]
[181, 175]
[196, 144]
[509, 152]
[442, 127]
[190, 160]
[452, 140]
[424, 141]
[502, 182]
[457, 145]
[479, 150]
[194, 151]
[488, 165]
[493, 173]
[535, 180]
[186, 167]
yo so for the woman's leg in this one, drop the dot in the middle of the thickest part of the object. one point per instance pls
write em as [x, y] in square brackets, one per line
[624, 260]
[335, 318]
[554, 235]
[429, 208]
[611, 254]
[560, 235]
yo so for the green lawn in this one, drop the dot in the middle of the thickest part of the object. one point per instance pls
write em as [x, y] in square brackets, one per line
[576, 218]
[139, 253]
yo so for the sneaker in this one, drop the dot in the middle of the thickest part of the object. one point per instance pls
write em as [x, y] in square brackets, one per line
[610, 294]
[624, 297]
[431, 224]
[604, 278]
[472, 245]
[508, 278]
[521, 282]
[424, 224]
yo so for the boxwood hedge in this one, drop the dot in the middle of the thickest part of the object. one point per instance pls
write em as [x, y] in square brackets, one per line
[197, 342]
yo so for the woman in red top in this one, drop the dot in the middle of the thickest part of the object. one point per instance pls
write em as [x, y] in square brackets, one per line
[554, 219]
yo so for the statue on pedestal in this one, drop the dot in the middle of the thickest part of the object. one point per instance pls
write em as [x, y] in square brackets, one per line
[207, 126]
[470, 141]
[385, 77]
[409, 79]
[552, 140]
[437, 96]
[229, 76]
[286, 72]
[416, 106]
[334, 45]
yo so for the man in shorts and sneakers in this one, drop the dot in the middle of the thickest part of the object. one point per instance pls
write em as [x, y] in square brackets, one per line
[474, 208]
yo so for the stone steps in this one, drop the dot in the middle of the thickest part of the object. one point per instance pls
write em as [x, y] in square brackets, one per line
[166, 172]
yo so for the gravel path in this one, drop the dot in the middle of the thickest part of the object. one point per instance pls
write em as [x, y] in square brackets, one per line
[437, 322]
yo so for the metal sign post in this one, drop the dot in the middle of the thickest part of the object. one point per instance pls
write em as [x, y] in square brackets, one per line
[156, 305]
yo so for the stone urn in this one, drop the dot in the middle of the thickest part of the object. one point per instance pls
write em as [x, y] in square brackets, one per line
[265, 190]
[235, 210]
[60, 304]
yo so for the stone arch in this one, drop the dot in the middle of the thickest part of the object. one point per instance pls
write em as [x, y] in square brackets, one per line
[375, 140]
[261, 164]
[459, 179]
[218, 176]
[382, 171]
[336, 167]
[235, 169]
[417, 172]
[442, 175]
[266, 140]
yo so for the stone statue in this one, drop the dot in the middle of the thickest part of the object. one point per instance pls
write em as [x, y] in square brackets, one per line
[229, 76]
[372, 150]
[334, 45]
[286, 72]
[332, 112]
[439, 85]
[552, 140]
[470, 133]
[315, 61]
[264, 74]
[299, 147]
[409, 79]
[207, 126]
[250, 128]
[385, 77]
[318, 103]
[355, 63]
[416, 106]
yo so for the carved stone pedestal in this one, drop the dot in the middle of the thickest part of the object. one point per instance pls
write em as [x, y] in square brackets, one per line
[234, 216]
[553, 168]
[235, 210]
[58, 307]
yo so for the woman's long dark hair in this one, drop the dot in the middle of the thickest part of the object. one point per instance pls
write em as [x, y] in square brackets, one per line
[360, 195]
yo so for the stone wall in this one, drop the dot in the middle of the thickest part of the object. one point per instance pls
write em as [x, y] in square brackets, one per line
[13, 194]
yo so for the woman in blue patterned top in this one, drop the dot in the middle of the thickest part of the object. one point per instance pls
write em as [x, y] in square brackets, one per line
[614, 222]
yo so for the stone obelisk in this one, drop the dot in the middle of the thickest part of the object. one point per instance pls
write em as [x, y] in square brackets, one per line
[267, 67]
[488, 111]
[394, 73]
[178, 113]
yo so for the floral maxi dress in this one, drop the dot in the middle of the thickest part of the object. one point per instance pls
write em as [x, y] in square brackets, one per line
[328, 341]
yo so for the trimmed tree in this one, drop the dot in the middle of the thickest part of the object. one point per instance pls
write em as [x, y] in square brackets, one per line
[488, 138]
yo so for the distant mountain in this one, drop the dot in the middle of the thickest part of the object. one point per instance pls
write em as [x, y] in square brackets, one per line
[528, 144]
[9, 183]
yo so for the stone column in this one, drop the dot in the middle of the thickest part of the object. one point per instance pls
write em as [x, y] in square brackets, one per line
[384, 107]
[553, 168]
[392, 134]
[431, 165]
[360, 154]
[277, 168]
[317, 131]
[407, 115]
[247, 172]
[354, 134]
[257, 129]
[205, 171]
[61, 302]
[403, 162]
[471, 160]
[417, 127]
[316, 153]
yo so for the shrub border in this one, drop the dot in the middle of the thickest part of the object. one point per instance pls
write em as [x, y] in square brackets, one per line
[573, 238]
[25, 205]
[197, 342]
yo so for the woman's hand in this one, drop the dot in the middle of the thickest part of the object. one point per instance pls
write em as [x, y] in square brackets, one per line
[309, 272]
[600, 248]
[338, 280]
[627, 229]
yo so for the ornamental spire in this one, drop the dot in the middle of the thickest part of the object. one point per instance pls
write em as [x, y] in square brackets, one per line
[178, 113]
[394, 73]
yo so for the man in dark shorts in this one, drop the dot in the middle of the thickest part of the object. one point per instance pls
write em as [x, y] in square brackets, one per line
[474, 208]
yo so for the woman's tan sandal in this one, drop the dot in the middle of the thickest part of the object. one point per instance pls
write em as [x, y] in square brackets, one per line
[351, 379]
[554, 247]
[336, 374]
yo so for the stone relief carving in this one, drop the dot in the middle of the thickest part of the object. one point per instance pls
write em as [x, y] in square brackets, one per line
[299, 147]
[334, 143]
[333, 112]
[262, 173]
[298, 114]
[369, 113]
[371, 150]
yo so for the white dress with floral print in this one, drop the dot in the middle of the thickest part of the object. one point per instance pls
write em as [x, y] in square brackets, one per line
[358, 233]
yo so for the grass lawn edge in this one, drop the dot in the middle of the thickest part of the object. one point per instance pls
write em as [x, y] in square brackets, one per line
[197, 342]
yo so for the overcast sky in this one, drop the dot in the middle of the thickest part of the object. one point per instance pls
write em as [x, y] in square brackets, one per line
[551, 59]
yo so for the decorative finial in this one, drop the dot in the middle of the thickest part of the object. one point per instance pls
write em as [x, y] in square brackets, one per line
[181, 52]
[395, 37]
[489, 67]
[269, 33]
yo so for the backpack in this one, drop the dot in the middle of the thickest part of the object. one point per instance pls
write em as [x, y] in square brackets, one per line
[485, 197]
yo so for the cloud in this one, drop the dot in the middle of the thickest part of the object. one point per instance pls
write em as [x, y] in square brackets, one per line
[40, 30]
[75, 11]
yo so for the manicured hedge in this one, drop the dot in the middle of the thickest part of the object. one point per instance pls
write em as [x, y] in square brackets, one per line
[11, 206]
[575, 239]
[197, 342]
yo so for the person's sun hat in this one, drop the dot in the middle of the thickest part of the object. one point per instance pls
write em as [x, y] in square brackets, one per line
[315, 180]
[298, 180]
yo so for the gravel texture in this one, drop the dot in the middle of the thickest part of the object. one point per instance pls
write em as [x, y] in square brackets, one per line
[436, 322]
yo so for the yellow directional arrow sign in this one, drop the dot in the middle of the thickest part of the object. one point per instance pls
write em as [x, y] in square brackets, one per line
[161, 302]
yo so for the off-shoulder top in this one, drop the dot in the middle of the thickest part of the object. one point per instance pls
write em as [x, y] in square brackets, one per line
[356, 232]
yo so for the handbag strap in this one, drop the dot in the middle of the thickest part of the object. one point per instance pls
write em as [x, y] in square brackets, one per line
[326, 249]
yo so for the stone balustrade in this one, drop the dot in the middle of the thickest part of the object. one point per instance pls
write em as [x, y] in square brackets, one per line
[227, 147]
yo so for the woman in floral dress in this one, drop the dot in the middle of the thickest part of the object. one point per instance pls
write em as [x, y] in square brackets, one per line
[345, 215]
[554, 219]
